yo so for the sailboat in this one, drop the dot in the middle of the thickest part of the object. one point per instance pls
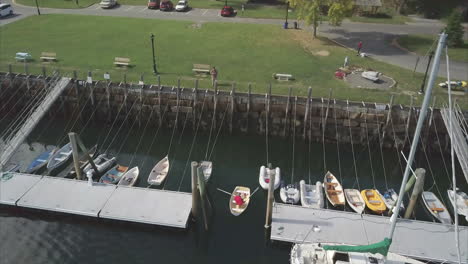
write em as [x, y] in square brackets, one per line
[266, 174]
[354, 200]
[40, 161]
[207, 168]
[462, 202]
[290, 194]
[316, 253]
[311, 195]
[436, 208]
[102, 163]
[333, 190]
[159, 172]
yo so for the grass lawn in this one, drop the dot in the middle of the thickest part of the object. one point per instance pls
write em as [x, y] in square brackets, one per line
[420, 44]
[390, 20]
[58, 3]
[243, 53]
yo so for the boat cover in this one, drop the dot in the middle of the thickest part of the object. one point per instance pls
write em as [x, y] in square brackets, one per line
[379, 247]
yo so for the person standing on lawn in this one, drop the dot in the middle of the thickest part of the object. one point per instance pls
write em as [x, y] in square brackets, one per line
[359, 47]
[214, 75]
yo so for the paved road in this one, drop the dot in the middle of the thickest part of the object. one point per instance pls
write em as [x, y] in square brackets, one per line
[377, 38]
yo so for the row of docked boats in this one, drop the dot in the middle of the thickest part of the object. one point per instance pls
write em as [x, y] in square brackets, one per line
[311, 195]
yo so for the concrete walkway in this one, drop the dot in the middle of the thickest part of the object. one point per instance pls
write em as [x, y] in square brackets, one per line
[377, 38]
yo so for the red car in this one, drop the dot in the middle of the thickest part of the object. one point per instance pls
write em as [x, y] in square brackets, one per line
[227, 11]
[166, 6]
[153, 4]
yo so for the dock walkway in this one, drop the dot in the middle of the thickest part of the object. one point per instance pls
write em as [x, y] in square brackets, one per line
[132, 204]
[418, 239]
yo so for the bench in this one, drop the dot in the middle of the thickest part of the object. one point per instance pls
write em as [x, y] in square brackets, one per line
[48, 56]
[201, 68]
[118, 61]
[283, 76]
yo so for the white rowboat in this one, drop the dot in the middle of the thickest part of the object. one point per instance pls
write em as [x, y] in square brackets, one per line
[436, 208]
[354, 200]
[130, 177]
[159, 172]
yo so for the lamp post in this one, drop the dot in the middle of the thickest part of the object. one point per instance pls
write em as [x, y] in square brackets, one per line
[286, 20]
[225, 2]
[155, 71]
[425, 74]
[38, 11]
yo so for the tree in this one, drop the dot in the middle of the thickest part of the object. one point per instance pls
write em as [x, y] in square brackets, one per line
[454, 30]
[309, 11]
[338, 11]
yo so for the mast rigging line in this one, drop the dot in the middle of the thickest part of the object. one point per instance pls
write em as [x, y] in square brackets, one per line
[337, 141]
[175, 125]
[112, 126]
[219, 131]
[370, 154]
[294, 140]
[441, 152]
[323, 138]
[211, 130]
[193, 142]
[155, 136]
[142, 135]
[380, 148]
[310, 137]
[126, 137]
[11, 98]
[352, 146]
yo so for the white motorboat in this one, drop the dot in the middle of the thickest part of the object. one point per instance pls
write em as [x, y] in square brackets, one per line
[265, 176]
[311, 195]
[290, 194]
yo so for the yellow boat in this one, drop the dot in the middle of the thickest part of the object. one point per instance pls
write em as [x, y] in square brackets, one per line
[374, 201]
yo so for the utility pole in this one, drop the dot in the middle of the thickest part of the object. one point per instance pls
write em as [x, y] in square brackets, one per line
[287, 13]
[38, 11]
[155, 71]
[431, 54]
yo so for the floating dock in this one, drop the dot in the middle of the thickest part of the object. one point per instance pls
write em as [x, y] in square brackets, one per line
[417, 239]
[132, 204]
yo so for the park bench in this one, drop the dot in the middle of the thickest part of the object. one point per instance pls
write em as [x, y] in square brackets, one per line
[48, 56]
[283, 76]
[118, 61]
[201, 68]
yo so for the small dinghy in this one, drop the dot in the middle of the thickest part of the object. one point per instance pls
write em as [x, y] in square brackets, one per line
[159, 172]
[239, 201]
[290, 194]
[436, 208]
[265, 176]
[207, 167]
[83, 161]
[354, 200]
[311, 195]
[113, 175]
[60, 157]
[390, 198]
[40, 161]
[462, 202]
[102, 162]
[130, 177]
[333, 190]
[374, 201]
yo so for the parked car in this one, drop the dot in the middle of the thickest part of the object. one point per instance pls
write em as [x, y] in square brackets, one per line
[182, 6]
[166, 6]
[108, 3]
[227, 11]
[153, 4]
[6, 10]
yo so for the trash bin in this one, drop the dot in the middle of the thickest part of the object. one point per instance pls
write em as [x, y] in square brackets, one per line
[285, 25]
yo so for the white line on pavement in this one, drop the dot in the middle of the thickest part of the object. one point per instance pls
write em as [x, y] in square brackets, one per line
[143, 10]
[204, 12]
[97, 7]
[129, 8]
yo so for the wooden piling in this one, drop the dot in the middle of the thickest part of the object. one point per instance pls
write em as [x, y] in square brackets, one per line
[159, 101]
[194, 106]
[286, 115]
[417, 190]
[408, 121]
[195, 193]
[76, 157]
[328, 107]
[270, 199]
[306, 114]
[203, 197]
[389, 116]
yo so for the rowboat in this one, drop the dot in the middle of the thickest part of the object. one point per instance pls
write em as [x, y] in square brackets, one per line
[436, 208]
[60, 157]
[83, 161]
[159, 172]
[354, 200]
[265, 176]
[311, 195]
[290, 193]
[102, 163]
[462, 202]
[113, 175]
[207, 167]
[239, 201]
[390, 198]
[309, 253]
[130, 177]
[333, 190]
[374, 201]
[40, 161]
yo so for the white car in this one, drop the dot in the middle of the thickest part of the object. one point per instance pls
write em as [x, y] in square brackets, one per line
[108, 3]
[182, 6]
[6, 10]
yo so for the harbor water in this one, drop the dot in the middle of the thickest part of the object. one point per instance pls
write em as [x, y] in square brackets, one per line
[42, 237]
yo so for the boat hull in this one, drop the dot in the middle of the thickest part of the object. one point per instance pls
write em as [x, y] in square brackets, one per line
[311, 195]
[333, 190]
[354, 200]
[244, 193]
[374, 201]
[290, 194]
[265, 175]
[436, 208]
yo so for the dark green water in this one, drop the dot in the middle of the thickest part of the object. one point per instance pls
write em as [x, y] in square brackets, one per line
[48, 238]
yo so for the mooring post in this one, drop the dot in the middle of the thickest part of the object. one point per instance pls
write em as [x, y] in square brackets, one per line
[417, 190]
[408, 121]
[194, 107]
[215, 102]
[233, 94]
[328, 106]
[195, 193]
[432, 114]
[306, 114]
[389, 116]
[203, 198]
[248, 105]
[76, 158]
[286, 115]
[270, 200]
[159, 101]
[108, 100]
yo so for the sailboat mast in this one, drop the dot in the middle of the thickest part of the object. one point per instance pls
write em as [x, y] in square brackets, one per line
[419, 126]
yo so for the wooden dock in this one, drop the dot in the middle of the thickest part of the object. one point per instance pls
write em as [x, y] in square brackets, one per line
[417, 239]
[132, 204]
